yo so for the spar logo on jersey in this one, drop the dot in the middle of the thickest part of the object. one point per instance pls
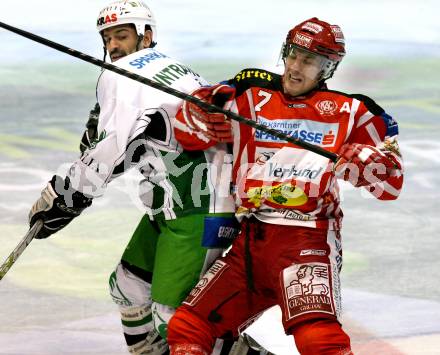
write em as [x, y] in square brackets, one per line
[143, 60]
[318, 133]
[326, 107]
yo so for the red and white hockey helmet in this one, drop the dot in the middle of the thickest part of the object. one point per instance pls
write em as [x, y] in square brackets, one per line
[127, 12]
[318, 37]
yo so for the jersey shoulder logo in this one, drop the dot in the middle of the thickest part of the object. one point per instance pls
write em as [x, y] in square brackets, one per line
[253, 77]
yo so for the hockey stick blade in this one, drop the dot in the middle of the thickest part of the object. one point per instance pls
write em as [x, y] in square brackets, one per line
[12, 258]
[208, 107]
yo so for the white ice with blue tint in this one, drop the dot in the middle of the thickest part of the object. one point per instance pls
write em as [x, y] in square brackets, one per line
[54, 300]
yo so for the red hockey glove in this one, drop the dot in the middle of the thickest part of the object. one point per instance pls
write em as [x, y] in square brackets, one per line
[362, 164]
[213, 125]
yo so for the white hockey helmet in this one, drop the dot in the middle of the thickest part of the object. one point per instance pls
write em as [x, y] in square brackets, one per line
[127, 12]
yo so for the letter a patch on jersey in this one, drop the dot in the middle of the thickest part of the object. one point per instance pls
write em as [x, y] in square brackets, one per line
[345, 108]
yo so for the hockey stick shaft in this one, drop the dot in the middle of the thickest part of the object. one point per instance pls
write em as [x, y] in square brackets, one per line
[204, 105]
[12, 258]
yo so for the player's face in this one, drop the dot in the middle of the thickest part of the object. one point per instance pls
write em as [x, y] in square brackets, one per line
[301, 72]
[120, 41]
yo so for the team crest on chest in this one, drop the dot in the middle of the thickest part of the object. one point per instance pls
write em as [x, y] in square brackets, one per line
[326, 107]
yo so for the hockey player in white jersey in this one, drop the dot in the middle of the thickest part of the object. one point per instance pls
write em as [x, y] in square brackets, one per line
[188, 217]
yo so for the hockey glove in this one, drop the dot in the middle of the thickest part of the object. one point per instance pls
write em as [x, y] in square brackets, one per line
[362, 164]
[58, 205]
[91, 133]
[213, 125]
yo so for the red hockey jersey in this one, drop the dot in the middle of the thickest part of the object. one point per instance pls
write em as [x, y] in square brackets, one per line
[281, 183]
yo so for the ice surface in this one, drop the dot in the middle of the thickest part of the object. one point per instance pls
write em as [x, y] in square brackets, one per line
[55, 301]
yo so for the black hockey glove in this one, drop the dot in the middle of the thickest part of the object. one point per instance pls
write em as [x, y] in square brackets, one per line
[91, 133]
[58, 205]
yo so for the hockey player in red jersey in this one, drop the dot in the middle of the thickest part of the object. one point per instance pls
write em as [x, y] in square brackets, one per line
[290, 250]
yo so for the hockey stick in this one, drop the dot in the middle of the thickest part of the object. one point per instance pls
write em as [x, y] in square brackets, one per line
[12, 258]
[208, 107]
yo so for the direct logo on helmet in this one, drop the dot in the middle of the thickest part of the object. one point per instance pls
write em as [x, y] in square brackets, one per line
[339, 36]
[302, 40]
[312, 27]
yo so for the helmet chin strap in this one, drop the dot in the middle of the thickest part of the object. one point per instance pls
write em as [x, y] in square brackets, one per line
[139, 41]
[105, 53]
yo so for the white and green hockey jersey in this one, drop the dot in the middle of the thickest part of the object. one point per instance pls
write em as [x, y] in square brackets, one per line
[136, 128]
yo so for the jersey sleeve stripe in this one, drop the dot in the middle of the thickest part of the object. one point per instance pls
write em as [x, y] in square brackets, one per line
[364, 119]
[373, 134]
[354, 108]
[391, 189]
